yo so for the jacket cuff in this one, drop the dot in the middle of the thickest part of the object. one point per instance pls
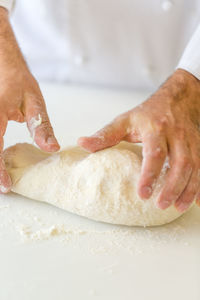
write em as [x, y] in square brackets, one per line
[190, 60]
[8, 4]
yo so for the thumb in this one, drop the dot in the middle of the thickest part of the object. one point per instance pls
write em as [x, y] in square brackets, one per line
[39, 125]
[108, 136]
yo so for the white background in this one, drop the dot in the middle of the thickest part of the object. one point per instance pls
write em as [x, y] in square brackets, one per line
[91, 260]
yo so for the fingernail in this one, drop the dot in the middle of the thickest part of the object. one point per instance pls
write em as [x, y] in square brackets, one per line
[183, 206]
[163, 204]
[146, 191]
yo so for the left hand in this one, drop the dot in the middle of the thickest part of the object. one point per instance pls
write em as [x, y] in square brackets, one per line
[168, 126]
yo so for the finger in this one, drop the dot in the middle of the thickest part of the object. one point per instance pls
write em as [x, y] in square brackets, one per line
[154, 154]
[5, 180]
[3, 126]
[198, 199]
[188, 195]
[39, 125]
[108, 136]
[178, 175]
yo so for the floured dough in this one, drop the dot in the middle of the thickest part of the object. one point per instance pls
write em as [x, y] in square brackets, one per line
[101, 186]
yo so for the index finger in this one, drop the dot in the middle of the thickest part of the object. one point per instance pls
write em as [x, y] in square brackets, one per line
[108, 136]
[39, 124]
[154, 154]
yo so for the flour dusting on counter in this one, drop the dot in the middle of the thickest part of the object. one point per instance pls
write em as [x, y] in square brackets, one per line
[33, 222]
[108, 241]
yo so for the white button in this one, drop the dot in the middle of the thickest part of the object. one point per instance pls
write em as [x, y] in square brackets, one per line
[166, 5]
[79, 60]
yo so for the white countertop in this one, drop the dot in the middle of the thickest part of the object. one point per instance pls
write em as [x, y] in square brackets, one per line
[47, 253]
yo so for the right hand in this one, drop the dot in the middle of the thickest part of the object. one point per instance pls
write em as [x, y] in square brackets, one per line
[167, 124]
[20, 97]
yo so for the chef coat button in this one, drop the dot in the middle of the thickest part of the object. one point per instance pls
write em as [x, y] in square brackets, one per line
[166, 5]
[79, 60]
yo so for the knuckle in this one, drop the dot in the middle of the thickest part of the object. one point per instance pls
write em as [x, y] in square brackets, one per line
[185, 162]
[38, 102]
[161, 124]
[181, 134]
[194, 187]
[122, 119]
[15, 115]
[193, 193]
[157, 153]
[191, 196]
[163, 121]
[149, 178]
[46, 125]
[176, 190]
[192, 190]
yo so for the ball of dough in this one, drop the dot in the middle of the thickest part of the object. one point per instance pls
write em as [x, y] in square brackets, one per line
[101, 186]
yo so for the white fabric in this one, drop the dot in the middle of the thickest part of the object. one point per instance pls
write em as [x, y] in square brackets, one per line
[190, 60]
[8, 4]
[124, 43]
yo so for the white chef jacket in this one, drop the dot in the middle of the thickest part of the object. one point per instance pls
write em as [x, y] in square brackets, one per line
[123, 43]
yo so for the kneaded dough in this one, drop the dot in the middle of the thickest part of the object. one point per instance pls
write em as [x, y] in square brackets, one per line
[101, 186]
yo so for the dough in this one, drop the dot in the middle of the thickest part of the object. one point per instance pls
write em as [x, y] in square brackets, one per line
[101, 186]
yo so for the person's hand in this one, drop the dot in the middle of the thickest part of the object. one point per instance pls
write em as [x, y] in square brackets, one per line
[20, 97]
[168, 125]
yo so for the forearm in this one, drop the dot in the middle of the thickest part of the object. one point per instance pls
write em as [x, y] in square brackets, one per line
[10, 54]
[20, 96]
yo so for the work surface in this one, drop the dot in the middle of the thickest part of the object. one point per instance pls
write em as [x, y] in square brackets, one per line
[47, 253]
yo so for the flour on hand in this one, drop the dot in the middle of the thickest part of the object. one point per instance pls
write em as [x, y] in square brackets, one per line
[33, 124]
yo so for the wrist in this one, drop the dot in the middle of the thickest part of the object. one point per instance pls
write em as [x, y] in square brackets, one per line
[187, 80]
[180, 90]
[185, 92]
[181, 85]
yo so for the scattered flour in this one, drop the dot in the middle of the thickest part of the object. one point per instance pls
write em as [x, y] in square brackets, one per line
[4, 206]
[46, 233]
[133, 241]
[48, 225]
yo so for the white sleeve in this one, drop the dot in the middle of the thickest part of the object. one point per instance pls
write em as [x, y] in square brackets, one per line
[190, 60]
[8, 4]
